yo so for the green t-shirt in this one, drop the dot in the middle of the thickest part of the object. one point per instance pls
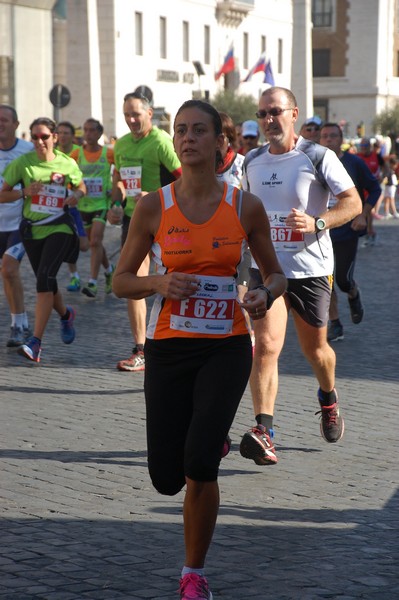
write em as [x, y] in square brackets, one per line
[145, 164]
[56, 175]
[97, 178]
[74, 147]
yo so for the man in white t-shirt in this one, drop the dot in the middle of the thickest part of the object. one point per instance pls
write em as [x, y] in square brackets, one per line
[11, 247]
[293, 177]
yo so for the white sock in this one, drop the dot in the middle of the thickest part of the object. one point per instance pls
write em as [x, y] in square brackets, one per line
[186, 570]
[94, 281]
[109, 269]
[17, 320]
[76, 274]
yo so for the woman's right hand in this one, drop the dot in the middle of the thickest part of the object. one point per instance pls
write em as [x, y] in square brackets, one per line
[115, 215]
[177, 286]
[33, 188]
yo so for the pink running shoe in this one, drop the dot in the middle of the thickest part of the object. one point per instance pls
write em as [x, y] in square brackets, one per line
[136, 362]
[194, 587]
[226, 446]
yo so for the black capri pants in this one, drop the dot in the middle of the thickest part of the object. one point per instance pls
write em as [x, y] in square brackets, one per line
[192, 389]
[345, 258]
[46, 256]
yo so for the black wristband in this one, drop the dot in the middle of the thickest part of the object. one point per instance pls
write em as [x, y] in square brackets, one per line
[270, 297]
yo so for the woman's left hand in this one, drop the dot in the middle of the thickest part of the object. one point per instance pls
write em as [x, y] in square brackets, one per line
[255, 302]
[71, 200]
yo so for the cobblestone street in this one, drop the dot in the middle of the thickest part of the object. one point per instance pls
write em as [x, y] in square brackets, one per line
[80, 519]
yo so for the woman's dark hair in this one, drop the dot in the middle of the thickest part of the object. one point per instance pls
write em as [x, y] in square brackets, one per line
[49, 123]
[206, 108]
[228, 127]
[215, 116]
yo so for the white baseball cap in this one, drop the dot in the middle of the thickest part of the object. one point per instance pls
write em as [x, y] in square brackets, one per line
[250, 128]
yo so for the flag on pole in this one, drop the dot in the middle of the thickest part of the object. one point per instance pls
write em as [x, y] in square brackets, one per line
[257, 68]
[268, 74]
[228, 64]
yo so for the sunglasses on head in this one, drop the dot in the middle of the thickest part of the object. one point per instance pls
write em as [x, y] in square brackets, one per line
[41, 136]
[137, 96]
[273, 112]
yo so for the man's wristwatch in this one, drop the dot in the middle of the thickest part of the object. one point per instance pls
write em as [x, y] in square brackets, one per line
[270, 297]
[320, 224]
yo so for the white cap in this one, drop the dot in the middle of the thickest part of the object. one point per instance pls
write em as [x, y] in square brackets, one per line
[250, 128]
[316, 120]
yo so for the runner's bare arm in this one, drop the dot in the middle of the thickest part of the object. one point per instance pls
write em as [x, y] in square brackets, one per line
[256, 224]
[143, 227]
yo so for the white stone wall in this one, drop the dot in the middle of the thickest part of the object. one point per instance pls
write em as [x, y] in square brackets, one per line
[368, 86]
[26, 35]
[122, 70]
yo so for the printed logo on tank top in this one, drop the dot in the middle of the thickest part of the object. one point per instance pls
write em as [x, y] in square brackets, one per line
[91, 169]
[235, 171]
[177, 237]
[218, 242]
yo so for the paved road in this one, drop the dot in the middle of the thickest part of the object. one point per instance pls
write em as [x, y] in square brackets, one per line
[80, 520]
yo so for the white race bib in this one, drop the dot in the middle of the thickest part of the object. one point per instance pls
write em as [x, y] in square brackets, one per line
[50, 200]
[94, 186]
[131, 177]
[284, 238]
[210, 310]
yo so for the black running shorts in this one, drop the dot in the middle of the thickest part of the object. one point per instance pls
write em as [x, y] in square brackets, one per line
[309, 297]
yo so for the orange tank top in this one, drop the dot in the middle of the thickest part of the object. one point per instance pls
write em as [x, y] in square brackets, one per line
[213, 251]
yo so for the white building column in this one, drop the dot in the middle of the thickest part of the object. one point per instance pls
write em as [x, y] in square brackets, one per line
[83, 69]
[94, 61]
[302, 71]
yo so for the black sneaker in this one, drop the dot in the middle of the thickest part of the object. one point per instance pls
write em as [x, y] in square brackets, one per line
[16, 338]
[332, 425]
[356, 308]
[257, 445]
[335, 331]
[90, 290]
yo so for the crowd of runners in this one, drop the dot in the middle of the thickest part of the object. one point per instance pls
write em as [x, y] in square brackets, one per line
[239, 233]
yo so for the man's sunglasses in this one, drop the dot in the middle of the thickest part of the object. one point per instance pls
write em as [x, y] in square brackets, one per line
[41, 136]
[273, 112]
